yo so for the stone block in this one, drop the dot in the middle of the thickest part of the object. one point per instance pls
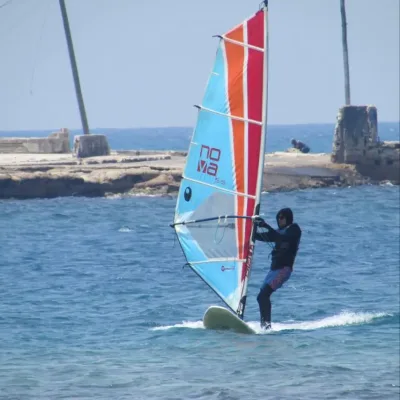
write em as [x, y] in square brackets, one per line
[91, 146]
[356, 142]
[356, 129]
[60, 141]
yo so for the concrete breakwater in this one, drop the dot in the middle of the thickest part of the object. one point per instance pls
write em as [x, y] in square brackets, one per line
[57, 142]
[24, 176]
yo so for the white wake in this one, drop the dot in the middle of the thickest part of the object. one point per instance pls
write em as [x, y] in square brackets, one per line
[343, 319]
[184, 324]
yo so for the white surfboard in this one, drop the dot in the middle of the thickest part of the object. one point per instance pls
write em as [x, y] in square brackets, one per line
[219, 318]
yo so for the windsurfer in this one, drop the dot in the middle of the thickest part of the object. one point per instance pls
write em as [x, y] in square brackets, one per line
[286, 239]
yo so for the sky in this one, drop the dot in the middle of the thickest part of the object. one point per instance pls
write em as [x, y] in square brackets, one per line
[144, 63]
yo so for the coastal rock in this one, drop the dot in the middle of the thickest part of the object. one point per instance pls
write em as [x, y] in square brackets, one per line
[165, 183]
[49, 176]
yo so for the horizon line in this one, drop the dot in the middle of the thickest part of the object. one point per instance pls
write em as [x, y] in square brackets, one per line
[174, 127]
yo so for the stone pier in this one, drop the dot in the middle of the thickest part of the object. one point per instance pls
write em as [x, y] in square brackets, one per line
[57, 142]
[356, 142]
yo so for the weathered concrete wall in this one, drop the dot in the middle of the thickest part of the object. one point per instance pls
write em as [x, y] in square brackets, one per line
[57, 142]
[356, 142]
[381, 162]
[91, 146]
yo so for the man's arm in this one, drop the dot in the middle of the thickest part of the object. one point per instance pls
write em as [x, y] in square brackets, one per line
[293, 233]
[263, 236]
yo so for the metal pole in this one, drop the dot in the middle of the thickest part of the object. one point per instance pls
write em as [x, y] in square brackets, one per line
[345, 52]
[74, 68]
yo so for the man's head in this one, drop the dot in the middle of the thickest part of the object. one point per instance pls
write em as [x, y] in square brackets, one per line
[294, 142]
[284, 217]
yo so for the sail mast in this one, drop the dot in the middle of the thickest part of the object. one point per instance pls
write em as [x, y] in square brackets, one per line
[264, 106]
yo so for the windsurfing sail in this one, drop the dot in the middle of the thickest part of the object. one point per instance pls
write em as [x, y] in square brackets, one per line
[221, 183]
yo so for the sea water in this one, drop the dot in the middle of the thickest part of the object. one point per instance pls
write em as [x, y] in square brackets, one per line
[95, 303]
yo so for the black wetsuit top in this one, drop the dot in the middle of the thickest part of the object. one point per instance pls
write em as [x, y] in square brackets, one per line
[302, 147]
[286, 245]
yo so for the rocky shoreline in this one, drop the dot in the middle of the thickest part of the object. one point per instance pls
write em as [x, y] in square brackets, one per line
[27, 176]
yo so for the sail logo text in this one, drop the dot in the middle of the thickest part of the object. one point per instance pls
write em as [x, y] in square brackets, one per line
[208, 161]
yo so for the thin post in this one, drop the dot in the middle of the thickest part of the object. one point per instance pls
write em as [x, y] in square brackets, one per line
[78, 91]
[345, 52]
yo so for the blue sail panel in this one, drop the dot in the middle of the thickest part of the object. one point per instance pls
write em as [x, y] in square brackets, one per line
[210, 155]
[204, 240]
[210, 246]
[215, 96]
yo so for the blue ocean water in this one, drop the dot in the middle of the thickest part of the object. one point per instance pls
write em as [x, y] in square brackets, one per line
[94, 304]
[317, 136]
